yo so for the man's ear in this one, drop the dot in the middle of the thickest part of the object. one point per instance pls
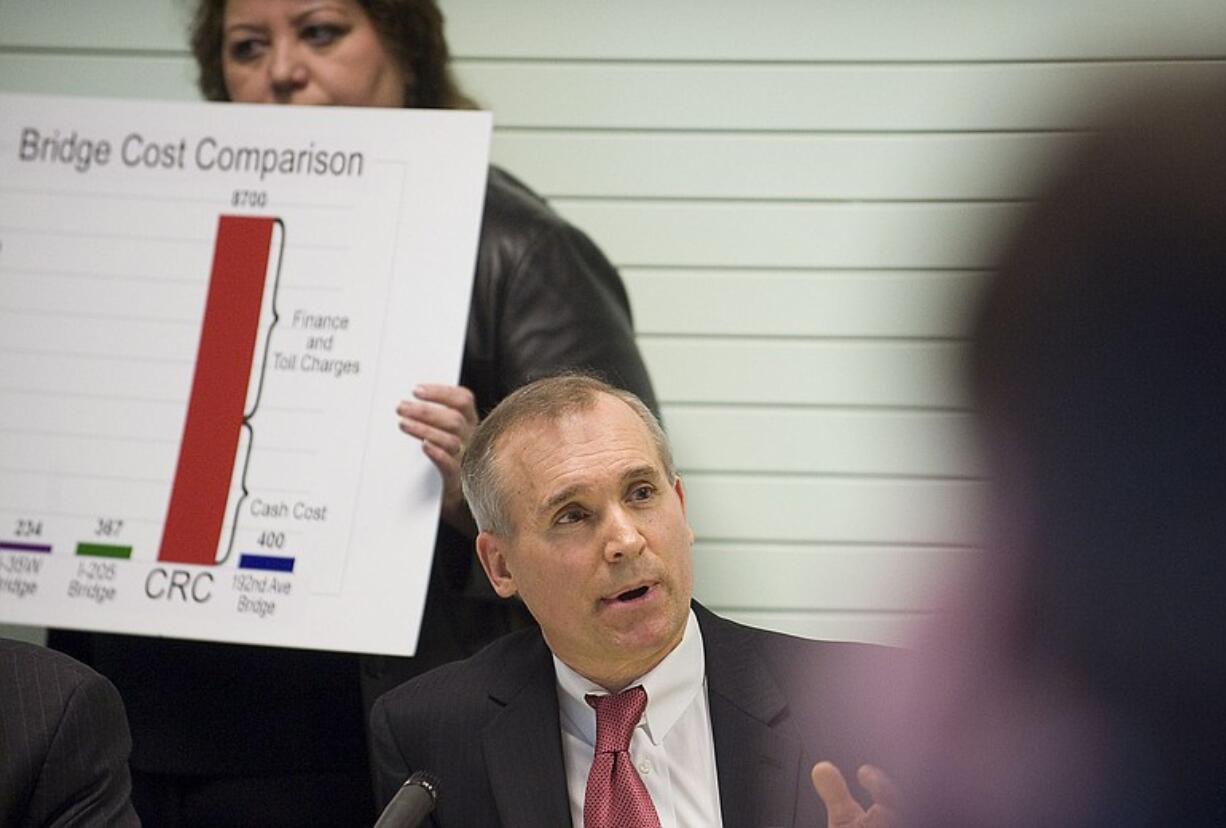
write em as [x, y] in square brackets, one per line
[491, 551]
[680, 490]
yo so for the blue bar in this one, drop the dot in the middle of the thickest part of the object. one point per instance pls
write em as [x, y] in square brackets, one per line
[266, 562]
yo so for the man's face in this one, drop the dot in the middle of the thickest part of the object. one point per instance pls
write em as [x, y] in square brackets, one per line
[600, 550]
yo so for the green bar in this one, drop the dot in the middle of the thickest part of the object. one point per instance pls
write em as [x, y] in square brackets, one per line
[102, 550]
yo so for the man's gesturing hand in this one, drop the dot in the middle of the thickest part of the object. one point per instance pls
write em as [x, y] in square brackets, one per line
[842, 809]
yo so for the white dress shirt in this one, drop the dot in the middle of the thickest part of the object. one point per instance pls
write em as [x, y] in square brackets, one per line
[672, 747]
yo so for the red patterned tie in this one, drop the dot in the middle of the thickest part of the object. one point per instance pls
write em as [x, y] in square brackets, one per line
[616, 797]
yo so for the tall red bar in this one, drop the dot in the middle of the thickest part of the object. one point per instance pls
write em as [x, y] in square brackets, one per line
[219, 391]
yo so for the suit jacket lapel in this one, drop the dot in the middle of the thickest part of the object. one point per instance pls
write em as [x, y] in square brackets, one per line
[523, 744]
[758, 765]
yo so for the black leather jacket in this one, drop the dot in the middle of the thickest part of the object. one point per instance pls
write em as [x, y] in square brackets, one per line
[544, 299]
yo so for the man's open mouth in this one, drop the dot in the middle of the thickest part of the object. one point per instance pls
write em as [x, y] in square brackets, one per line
[633, 594]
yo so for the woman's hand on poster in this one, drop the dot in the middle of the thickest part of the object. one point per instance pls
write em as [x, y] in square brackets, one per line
[443, 418]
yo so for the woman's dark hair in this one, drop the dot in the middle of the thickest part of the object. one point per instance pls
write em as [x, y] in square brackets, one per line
[412, 31]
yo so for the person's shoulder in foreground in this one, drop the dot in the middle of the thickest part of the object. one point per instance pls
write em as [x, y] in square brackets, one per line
[64, 742]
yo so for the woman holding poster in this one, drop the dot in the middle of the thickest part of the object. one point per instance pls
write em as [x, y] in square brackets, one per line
[239, 735]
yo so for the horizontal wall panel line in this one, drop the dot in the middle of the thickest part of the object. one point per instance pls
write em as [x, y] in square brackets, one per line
[885, 97]
[771, 474]
[881, 132]
[856, 580]
[817, 339]
[736, 268]
[909, 376]
[792, 546]
[790, 405]
[850, 267]
[792, 338]
[519, 60]
[833, 625]
[849, 202]
[785, 169]
[877, 30]
[827, 540]
[820, 543]
[131, 52]
[668, 402]
[775, 610]
[937, 307]
[917, 447]
[935, 236]
[918, 410]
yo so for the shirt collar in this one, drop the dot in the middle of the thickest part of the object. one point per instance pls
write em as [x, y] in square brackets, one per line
[671, 686]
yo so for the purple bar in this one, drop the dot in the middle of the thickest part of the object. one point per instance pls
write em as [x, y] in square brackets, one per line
[16, 546]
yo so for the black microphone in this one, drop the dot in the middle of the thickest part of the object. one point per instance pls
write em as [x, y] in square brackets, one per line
[412, 803]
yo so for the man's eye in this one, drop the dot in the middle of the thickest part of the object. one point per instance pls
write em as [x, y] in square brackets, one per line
[571, 516]
[322, 34]
[643, 492]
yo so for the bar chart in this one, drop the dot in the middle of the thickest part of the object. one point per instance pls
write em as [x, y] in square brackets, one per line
[199, 368]
[220, 405]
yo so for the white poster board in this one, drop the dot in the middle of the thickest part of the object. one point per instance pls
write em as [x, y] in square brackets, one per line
[208, 313]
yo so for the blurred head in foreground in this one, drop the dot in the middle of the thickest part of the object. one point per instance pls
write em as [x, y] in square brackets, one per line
[1088, 684]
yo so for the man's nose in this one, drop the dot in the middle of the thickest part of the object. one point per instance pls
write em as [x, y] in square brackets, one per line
[622, 538]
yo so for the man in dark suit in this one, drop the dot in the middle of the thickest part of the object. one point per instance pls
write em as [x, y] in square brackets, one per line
[64, 742]
[582, 516]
